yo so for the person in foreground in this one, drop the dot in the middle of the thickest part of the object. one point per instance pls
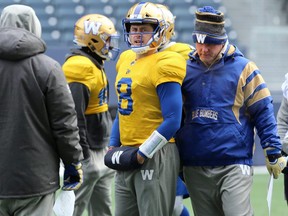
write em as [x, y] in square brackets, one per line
[282, 123]
[97, 41]
[147, 163]
[38, 124]
[225, 98]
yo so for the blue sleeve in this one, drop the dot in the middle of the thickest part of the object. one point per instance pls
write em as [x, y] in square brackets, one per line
[115, 134]
[171, 106]
[265, 122]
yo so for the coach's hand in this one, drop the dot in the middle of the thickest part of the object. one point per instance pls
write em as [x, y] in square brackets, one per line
[122, 158]
[275, 162]
[73, 176]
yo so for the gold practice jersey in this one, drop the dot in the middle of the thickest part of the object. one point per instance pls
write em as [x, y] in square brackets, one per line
[181, 48]
[136, 82]
[80, 69]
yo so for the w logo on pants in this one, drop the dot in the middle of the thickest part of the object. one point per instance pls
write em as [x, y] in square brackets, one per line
[246, 170]
[147, 174]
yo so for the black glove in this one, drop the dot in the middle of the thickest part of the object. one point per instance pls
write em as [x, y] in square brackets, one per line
[122, 158]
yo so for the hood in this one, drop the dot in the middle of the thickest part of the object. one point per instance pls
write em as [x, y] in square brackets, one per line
[18, 43]
[21, 16]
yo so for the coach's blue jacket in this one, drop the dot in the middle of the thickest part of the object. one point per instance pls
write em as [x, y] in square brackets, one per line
[222, 105]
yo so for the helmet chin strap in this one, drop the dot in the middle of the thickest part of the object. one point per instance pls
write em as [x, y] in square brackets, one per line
[146, 48]
[142, 50]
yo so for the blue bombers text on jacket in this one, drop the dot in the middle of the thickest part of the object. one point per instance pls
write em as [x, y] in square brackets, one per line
[223, 105]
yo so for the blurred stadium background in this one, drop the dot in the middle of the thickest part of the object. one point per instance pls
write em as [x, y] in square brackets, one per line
[258, 27]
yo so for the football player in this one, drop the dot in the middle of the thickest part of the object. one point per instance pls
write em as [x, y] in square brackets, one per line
[148, 82]
[97, 42]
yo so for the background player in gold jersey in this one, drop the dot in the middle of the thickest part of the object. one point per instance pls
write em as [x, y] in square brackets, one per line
[97, 41]
[148, 86]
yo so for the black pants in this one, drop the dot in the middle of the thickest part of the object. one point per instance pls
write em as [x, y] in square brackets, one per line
[286, 187]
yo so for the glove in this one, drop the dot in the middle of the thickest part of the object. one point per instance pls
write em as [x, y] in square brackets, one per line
[73, 176]
[275, 162]
[122, 158]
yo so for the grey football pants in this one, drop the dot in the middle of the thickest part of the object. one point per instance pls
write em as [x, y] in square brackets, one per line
[95, 192]
[150, 190]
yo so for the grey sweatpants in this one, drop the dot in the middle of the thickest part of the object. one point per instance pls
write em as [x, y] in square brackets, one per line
[221, 190]
[150, 190]
[95, 192]
[34, 206]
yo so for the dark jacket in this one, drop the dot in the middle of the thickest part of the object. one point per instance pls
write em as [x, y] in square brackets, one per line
[38, 123]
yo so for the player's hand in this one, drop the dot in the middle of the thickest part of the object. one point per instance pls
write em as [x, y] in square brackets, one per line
[122, 158]
[73, 176]
[275, 162]
[140, 158]
[110, 147]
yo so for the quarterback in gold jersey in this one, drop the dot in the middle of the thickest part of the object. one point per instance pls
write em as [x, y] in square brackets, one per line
[148, 85]
[136, 82]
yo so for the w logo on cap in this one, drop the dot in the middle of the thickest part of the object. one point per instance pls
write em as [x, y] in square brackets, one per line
[200, 37]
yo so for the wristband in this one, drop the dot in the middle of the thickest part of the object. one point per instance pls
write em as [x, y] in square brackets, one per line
[155, 142]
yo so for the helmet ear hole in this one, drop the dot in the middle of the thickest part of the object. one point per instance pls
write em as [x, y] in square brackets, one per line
[94, 40]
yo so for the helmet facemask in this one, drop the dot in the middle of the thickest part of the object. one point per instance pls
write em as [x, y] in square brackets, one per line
[156, 35]
[144, 13]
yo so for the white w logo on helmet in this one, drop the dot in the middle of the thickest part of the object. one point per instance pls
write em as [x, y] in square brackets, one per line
[91, 26]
